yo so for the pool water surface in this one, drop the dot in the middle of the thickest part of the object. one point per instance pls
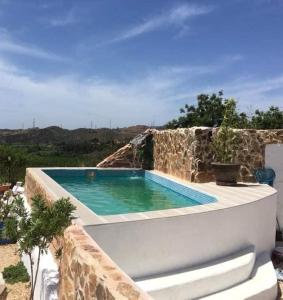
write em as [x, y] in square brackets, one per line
[120, 193]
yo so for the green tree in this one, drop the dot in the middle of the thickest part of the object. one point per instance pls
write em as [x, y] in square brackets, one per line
[38, 229]
[209, 112]
[270, 119]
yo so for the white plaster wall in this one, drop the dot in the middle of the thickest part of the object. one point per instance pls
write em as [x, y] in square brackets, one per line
[274, 160]
[154, 246]
[48, 275]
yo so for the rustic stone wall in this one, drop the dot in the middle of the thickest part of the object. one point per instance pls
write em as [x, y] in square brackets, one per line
[122, 158]
[87, 273]
[33, 187]
[187, 154]
[183, 153]
[136, 154]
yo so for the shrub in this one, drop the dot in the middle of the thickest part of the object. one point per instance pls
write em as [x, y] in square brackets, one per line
[17, 273]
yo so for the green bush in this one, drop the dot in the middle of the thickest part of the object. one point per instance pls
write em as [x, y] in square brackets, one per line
[17, 273]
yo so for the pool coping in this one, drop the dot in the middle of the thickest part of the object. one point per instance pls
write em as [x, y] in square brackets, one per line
[227, 197]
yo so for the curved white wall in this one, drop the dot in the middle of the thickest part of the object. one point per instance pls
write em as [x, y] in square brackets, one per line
[274, 160]
[154, 246]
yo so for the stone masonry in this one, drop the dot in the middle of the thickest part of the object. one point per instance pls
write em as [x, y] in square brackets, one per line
[87, 273]
[187, 153]
[136, 154]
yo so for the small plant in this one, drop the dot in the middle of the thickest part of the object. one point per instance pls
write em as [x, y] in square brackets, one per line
[224, 145]
[17, 273]
[226, 139]
[38, 229]
[10, 208]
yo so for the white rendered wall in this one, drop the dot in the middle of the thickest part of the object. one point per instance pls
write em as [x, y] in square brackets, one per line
[274, 160]
[154, 246]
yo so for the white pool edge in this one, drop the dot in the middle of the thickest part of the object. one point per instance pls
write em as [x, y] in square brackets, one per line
[227, 197]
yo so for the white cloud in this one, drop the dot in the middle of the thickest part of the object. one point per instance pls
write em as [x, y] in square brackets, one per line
[261, 93]
[248, 91]
[154, 97]
[75, 101]
[10, 45]
[64, 20]
[177, 17]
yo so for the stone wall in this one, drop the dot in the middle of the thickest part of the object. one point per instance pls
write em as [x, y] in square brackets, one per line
[122, 158]
[87, 273]
[33, 187]
[183, 153]
[186, 153]
[136, 154]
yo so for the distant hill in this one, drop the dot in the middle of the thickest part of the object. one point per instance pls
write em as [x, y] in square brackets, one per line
[57, 135]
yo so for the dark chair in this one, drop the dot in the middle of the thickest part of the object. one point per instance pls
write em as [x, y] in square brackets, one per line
[265, 175]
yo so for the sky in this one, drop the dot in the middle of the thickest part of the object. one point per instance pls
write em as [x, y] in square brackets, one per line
[118, 63]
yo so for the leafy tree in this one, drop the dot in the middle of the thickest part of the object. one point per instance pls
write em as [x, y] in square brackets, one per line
[38, 229]
[208, 112]
[270, 119]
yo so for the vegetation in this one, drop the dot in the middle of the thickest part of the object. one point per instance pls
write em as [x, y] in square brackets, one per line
[225, 141]
[57, 147]
[10, 208]
[17, 273]
[210, 110]
[273, 118]
[37, 229]
[11, 161]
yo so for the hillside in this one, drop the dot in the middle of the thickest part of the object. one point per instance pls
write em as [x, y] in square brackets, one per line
[56, 135]
[57, 147]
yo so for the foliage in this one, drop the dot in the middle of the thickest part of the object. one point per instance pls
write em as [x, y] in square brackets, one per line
[60, 155]
[57, 147]
[40, 227]
[226, 140]
[210, 110]
[17, 273]
[9, 230]
[11, 161]
[10, 206]
[272, 119]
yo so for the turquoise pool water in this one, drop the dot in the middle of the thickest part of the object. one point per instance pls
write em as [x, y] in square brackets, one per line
[119, 193]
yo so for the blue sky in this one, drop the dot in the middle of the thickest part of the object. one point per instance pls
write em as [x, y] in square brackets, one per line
[134, 62]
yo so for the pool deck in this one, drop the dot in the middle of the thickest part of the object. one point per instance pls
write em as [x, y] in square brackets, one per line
[227, 197]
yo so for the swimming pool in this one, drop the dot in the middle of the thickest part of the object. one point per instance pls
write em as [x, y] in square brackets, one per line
[111, 192]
